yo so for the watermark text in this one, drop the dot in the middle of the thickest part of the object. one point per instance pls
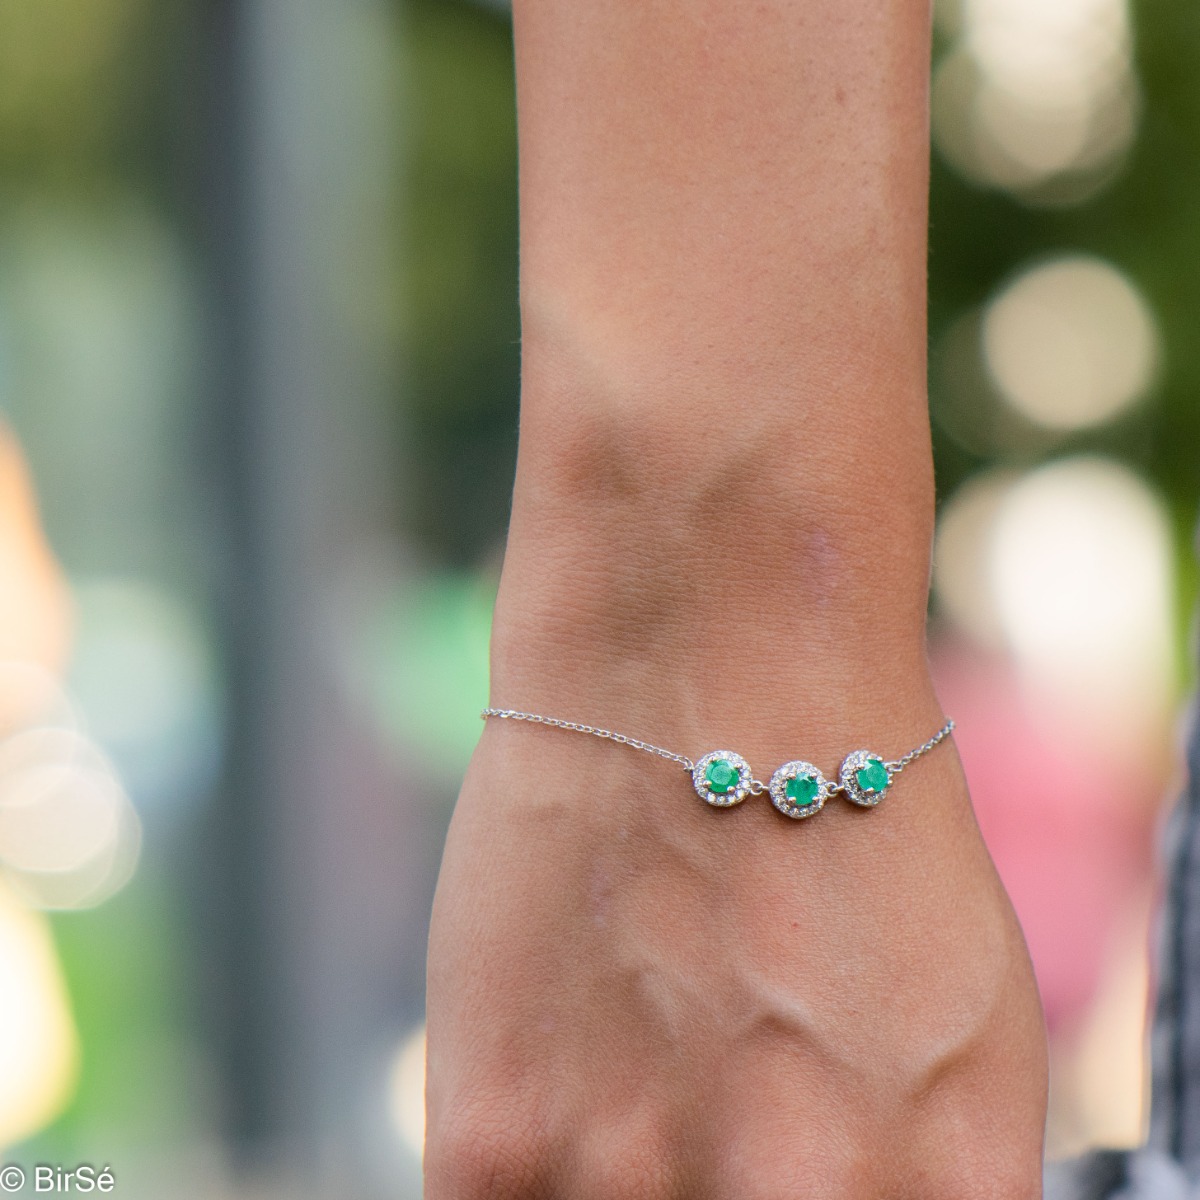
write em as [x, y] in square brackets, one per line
[47, 1178]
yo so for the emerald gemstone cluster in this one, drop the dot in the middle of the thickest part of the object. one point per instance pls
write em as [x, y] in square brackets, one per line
[802, 790]
[865, 778]
[722, 778]
[798, 789]
[873, 777]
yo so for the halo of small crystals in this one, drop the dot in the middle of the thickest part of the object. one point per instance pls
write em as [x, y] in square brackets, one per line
[848, 777]
[782, 801]
[735, 795]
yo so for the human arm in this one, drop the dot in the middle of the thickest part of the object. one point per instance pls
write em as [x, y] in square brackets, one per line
[720, 538]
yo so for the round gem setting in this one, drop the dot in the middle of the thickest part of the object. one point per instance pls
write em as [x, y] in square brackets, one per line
[722, 778]
[865, 778]
[798, 789]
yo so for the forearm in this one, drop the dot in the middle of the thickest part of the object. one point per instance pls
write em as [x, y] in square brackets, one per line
[724, 441]
[720, 539]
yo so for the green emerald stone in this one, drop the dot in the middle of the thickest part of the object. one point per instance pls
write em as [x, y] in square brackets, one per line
[872, 777]
[802, 790]
[721, 776]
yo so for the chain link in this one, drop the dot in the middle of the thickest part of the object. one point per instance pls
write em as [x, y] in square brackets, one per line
[757, 787]
[894, 768]
[509, 714]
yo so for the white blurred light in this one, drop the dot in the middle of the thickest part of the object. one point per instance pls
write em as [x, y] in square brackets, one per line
[38, 1043]
[58, 817]
[1070, 343]
[1036, 89]
[1080, 568]
[1069, 569]
[101, 877]
[1046, 49]
[406, 1091]
[69, 837]
[961, 581]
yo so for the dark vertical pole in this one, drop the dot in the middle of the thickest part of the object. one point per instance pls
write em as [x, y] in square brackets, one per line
[299, 153]
[238, 976]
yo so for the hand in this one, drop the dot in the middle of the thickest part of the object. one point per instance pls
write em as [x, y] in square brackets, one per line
[633, 995]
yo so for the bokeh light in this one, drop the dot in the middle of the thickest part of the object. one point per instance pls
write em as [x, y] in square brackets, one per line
[1080, 568]
[69, 836]
[961, 575]
[1069, 569]
[1070, 343]
[39, 1048]
[1035, 92]
[406, 1091]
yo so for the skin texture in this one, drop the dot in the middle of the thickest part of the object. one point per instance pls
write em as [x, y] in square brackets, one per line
[720, 539]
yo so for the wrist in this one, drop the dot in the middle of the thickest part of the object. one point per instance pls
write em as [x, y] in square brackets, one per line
[668, 549]
[608, 626]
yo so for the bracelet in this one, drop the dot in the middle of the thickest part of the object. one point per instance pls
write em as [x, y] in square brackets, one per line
[798, 789]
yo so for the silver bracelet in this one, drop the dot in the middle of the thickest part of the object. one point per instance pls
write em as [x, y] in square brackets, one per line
[798, 789]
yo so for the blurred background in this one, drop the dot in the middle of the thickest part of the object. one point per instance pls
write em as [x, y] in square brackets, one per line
[258, 383]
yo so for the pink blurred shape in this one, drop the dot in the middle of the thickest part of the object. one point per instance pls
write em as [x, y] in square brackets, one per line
[1069, 827]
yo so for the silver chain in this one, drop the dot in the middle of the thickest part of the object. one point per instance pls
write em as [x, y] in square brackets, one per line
[509, 714]
[898, 765]
[757, 787]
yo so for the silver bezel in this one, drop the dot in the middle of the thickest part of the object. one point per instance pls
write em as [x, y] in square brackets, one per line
[849, 780]
[729, 799]
[779, 796]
